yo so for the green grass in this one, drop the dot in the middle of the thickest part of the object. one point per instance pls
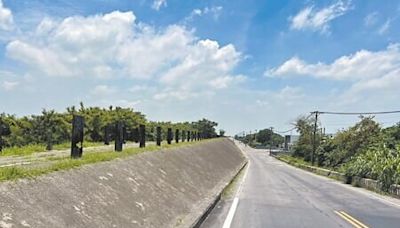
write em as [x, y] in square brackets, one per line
[293, 160]
[230, 190]
[58, 164]
[37, 148]
[67, 145]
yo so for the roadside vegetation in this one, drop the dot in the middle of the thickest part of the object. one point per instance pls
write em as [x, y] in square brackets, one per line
[37, 148]
[364, 150]
[263, 138]
[51, 130]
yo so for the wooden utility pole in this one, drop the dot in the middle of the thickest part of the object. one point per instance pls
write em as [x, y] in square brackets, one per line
[270, 142]
[314, 137]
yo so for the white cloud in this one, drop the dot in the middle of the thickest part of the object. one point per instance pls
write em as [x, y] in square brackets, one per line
[361, 65]
[157, 4]
[141, 88]
[214, 11]
[103, 90]
[314, 19]
[371, 19]
[366, 70]
[207, 65]
[9, 85]
[126, 103]
[114, 45]
[176, 95]
[6, 18]
[385, 27]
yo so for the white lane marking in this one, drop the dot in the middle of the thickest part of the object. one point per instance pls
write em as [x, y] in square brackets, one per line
[232, 210]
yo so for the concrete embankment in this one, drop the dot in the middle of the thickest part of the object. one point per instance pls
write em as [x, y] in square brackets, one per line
[168, 188]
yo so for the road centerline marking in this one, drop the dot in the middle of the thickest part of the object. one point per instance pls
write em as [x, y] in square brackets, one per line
[351, 219]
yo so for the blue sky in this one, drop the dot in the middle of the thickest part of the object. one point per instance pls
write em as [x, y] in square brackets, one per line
[245, 64]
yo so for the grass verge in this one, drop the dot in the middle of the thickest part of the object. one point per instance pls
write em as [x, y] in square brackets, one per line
[15, 172]
[230, 190]
[37, 148]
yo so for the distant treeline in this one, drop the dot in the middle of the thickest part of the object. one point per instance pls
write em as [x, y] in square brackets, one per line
[51, 127]
[263, 137]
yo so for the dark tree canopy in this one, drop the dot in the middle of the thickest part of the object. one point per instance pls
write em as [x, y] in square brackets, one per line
[51, 127]
[206, 128]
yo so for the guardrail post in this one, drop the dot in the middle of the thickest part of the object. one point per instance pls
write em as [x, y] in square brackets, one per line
[188, 136]
[4, 131]
[142, 136]
[183, 136]
[119, 136]
[77, 136]
[169, 136]
[177, 135]
[158, 136]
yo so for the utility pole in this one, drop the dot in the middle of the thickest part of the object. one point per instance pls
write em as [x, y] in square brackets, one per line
[270, 143]
[314, 138]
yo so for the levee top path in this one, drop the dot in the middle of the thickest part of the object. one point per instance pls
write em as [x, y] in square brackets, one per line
[39, 157]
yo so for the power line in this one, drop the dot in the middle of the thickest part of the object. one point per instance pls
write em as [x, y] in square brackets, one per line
[357, 113]
[283, 132]
[295, 127]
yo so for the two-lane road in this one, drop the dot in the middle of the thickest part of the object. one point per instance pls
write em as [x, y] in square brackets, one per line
[274, 194]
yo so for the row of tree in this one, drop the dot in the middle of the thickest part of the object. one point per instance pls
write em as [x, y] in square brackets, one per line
[365, 149]
[51, 127]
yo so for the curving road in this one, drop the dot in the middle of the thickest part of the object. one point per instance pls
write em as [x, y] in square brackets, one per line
[274, 194]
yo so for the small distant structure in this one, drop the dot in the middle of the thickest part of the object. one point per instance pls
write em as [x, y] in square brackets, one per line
[290, 141]
[329, 136]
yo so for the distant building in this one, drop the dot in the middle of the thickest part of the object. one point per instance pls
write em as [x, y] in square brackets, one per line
[290, 141]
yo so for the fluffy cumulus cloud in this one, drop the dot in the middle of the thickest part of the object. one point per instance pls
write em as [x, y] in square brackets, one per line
[366, 70]
[114, 45]
[157, 4]
[311, 18]
[361, 65]
[206, 61]
[6, 18]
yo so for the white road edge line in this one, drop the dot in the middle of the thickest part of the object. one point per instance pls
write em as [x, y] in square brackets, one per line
[232, 210]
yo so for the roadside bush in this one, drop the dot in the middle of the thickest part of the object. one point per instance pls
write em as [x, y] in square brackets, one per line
[379, 163]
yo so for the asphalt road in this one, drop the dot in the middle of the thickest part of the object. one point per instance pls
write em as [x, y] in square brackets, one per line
[274, 194]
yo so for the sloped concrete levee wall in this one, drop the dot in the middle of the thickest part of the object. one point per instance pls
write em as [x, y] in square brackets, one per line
[170, 188]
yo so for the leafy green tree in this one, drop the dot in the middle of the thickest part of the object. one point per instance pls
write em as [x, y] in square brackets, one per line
[51, 127]
[264, 136]
[206, 128]
[304, 146]
[352, 141]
